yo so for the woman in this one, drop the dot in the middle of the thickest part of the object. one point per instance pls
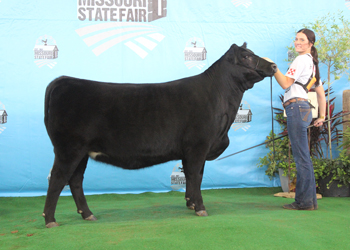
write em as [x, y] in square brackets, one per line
[299, 116]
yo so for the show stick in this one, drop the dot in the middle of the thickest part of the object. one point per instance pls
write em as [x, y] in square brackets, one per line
[310, 126]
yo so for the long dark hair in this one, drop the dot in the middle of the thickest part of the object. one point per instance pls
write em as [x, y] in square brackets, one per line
[312, 39]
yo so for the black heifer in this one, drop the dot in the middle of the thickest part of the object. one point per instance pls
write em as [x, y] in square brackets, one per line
[139, 125]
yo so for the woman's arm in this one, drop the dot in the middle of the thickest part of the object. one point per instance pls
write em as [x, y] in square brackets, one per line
[321, 99]
[284, 81]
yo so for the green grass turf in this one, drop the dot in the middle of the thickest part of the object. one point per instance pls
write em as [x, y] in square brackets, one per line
[248, 218]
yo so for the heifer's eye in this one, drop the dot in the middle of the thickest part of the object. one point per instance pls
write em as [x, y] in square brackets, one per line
[246, 57]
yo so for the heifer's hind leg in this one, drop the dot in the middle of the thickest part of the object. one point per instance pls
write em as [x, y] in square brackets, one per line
[61, 172]
[76, 187]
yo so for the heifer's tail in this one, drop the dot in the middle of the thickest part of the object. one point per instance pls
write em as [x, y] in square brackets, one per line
[47, 101]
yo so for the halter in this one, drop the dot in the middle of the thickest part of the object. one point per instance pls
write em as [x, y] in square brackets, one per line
[257, 63]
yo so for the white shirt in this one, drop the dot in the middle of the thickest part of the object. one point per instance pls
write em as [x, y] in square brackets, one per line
[300, 70]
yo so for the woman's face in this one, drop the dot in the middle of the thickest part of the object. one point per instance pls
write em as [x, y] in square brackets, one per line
[302, 44]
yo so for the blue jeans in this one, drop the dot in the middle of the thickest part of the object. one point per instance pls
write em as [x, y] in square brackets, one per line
[298, 118]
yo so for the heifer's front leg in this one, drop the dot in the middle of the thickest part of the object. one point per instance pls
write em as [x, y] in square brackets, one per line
[189, 190]
[76, 187]
[194, 175]
[60, 174]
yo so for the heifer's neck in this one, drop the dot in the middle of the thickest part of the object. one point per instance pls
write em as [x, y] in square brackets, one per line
[230, 83]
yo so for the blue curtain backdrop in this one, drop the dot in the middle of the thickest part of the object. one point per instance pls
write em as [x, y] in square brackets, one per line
[138, 41]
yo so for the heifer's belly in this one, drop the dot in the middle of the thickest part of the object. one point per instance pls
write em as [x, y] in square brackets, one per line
[218, 148]
[134, 148]
[133, 161]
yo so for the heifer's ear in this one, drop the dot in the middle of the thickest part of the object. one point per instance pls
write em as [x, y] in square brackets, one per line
[233, 46]
[231, 54]
[244, 45]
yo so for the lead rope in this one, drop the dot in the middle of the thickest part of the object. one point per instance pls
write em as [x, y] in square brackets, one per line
[273, 143]
[273, 132]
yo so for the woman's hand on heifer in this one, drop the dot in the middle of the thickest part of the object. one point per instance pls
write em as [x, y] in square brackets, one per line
[268, 59]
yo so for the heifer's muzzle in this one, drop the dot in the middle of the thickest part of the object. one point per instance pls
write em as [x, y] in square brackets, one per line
[274, 68]
[269, 71]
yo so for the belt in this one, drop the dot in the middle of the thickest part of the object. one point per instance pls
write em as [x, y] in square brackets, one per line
[293, 100]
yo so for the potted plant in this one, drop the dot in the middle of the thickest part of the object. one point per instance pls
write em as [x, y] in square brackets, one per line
[333, 175]
[279, 160]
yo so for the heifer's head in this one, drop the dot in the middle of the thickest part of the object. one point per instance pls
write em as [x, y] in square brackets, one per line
[250, 67]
